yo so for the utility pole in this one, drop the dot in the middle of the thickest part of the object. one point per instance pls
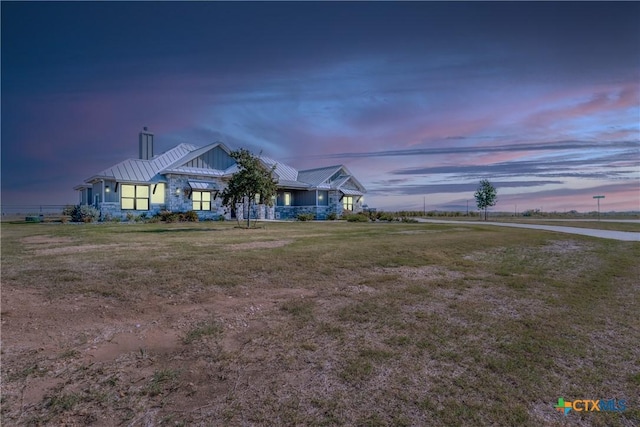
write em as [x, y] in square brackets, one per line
[598, 197]
[467, 207]
[424, 205]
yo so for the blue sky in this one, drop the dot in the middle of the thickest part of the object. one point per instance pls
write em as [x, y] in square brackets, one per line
[420, 100]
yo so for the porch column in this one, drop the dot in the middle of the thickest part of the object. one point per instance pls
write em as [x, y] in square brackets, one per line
[101, 191]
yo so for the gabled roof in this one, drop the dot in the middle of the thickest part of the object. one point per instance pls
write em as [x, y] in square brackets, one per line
[138, 170]
[284, 172]
[179, 163]
[318, 176]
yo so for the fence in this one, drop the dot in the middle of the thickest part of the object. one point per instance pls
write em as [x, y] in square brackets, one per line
[22, 211]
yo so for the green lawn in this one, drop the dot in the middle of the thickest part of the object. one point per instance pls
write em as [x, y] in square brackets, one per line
[315, 323]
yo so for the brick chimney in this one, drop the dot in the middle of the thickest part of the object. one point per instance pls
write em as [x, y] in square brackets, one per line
[146, 144]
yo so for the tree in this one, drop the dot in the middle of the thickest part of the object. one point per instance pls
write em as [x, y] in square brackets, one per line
[251, 180]
[486, 195]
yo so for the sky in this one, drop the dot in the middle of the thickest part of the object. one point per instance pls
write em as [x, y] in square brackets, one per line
[420, 100]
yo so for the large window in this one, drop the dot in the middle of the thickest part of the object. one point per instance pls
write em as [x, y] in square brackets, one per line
[201, 200]
[135, 197]
[347, 203]
[157, 193]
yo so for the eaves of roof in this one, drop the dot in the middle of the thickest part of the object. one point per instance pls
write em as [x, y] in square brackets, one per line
[284, 183]
[194, 171]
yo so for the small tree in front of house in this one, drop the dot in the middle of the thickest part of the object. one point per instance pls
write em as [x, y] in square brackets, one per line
[486, 196]
[252, 179]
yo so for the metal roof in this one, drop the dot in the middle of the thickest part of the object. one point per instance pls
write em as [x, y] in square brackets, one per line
[292, 184]
[317, 176]
[194, 171]
[202, 185]
[350, 192]
[284, 171]
[138, 170]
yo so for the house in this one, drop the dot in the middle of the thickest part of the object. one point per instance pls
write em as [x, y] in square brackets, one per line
[187, 178]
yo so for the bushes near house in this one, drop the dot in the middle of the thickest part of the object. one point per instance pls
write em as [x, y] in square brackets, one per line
[84, 213]
[359, 217]
[332, 216]
[409, 220]
[385, 216]
[189, 216]
[306, 217]
[168, 216]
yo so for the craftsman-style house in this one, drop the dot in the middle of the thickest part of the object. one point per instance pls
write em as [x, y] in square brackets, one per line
[187, 178]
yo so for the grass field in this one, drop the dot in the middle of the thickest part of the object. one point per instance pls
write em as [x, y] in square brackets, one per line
[598, 225]
[315, 324]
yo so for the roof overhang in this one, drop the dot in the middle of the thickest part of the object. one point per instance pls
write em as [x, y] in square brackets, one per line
[203, 185]
[284, 184]
[350, 192]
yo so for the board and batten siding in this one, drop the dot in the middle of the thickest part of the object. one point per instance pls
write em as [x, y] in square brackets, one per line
[212, 159]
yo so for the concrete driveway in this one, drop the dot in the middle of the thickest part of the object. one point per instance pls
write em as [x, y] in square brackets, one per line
[603, 234]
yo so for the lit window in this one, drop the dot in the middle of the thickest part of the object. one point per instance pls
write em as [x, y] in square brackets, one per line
[201, 200]
[347, 203]
[287, 199]
[157, 194]
[134, 197]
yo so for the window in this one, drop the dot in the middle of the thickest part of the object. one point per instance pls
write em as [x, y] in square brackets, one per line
[135, 197]
[201, 200]
[347, 203]
[287, 199]
[157, 193]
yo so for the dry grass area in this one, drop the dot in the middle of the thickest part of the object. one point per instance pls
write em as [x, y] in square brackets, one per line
[315, 324]
[595, 224]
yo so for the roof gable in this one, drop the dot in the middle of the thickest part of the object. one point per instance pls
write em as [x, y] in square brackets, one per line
[283, 171]
[214, 156]
[318, 176]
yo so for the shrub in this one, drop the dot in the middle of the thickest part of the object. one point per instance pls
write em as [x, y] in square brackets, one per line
[189, 216]
[385, 216]
[410, 220]
[220, 218]
[130, 217]
[68, 210]
[306, 217]
[357, 218]
[168, 216]
[84, 213]
[332, 216]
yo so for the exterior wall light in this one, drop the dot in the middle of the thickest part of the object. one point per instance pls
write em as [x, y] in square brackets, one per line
[107, 189]
[177, 191]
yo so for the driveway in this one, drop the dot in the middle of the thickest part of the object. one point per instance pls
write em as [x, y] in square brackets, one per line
[628, 236]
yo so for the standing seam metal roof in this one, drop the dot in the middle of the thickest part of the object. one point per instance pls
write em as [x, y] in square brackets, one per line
[173, 160]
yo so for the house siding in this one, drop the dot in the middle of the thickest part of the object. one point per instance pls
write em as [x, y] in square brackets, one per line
[213, 159]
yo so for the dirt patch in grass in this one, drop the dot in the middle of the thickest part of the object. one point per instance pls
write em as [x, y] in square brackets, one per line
[259, 245]
[63, 250]
[429, 272]
[46, 240]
